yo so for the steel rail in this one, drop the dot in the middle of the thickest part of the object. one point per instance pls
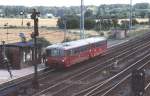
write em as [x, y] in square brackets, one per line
[51, 87]
[98, 85]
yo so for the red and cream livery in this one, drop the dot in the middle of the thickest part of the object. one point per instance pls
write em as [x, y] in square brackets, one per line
[69, 53]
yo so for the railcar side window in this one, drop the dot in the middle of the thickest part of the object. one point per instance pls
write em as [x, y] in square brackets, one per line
[71, 52]
[83, 48]
[76, 51]
[99, 44]
[61, 52]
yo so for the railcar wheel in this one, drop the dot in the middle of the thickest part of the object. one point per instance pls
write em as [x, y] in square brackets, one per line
[60, 67]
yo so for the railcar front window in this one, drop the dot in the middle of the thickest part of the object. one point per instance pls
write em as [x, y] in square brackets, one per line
[48, 52]
[57, 52]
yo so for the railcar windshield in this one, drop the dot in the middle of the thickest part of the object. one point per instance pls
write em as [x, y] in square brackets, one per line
[55, 52]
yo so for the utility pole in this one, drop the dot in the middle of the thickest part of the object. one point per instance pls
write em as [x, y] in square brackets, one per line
[6, 26]
[65, 29]
[149, 19]
[22, 13]
[130, 25]
[100, 25]
[34, 35]
[82, 34]
[99, 17]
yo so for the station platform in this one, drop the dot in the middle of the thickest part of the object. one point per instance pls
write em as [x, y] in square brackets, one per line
[5, 77]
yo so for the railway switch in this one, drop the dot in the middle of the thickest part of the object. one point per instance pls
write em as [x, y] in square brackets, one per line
[138, 82]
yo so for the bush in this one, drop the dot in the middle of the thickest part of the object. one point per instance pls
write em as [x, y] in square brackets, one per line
[66, 40]
[102, 34]
[42, 42]
[124, 24]
[144, 23]
[28, 24]
[134, 22]
[12, 26]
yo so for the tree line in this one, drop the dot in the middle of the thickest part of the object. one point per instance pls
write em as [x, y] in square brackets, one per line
[73, 22]
[120, 10]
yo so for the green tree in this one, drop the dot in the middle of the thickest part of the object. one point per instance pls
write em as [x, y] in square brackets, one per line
[103, 24]
[60, 23]
[72, 22]
[88, 14]
[89, 24]
[141, 6]
[124, 24]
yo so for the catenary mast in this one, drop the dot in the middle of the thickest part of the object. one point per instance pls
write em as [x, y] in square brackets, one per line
[82, 33]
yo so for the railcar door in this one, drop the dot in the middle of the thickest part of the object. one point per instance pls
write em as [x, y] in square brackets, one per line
[83, 53]
[74, 56]
[67, 57]
[103, 46]
[92, 52]
[98, 48]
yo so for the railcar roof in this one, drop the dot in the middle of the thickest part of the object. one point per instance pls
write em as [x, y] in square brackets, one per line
[77, 43]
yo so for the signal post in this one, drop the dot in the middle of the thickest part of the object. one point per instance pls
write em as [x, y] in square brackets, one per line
[34, 35]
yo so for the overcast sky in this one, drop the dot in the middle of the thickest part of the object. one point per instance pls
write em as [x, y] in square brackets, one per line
[66, 2]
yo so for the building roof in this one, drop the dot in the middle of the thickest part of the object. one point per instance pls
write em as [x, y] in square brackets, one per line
[77, 43]
[23, 44]
[20, 44]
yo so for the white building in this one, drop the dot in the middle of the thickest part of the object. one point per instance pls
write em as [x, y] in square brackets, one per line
[49, 15]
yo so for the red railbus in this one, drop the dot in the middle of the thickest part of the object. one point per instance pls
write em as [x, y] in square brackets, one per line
[69, 53]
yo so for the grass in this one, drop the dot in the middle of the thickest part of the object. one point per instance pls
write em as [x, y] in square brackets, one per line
[18, 22]
[53, 36]
[47, 30]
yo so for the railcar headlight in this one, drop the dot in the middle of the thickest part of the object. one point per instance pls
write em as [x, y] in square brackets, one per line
[63, 60]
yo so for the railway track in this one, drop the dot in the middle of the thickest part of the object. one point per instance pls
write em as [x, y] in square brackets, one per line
[62, 85]
[121, 77]
[147, 89]
[16, 86]
[73, 76]
[72, 85]
[124, 87]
